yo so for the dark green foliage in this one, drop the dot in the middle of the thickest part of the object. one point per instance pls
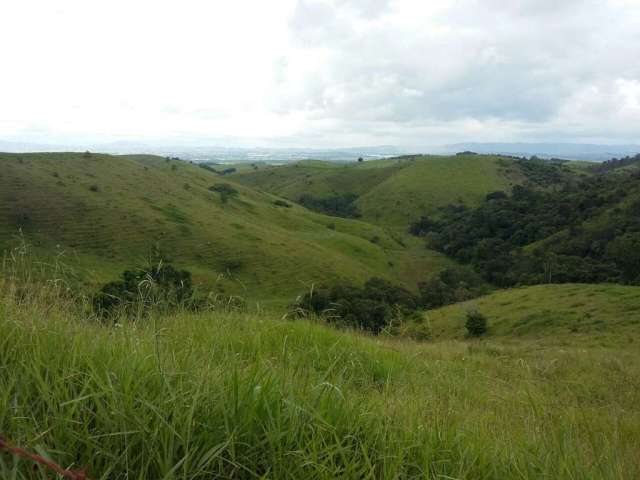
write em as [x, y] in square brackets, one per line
[616, 163]
[208, 167]
[625, 252]
[370, 307]
[476, 324]
[232, 265]
[282, 203]
[593, 226]
[499, 195]
[336, 205]
[452, 285]
[544, 172]
[94, 188]
[225, 190]
[157, 286]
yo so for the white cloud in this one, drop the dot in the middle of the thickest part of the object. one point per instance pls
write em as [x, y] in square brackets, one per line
[321, 72]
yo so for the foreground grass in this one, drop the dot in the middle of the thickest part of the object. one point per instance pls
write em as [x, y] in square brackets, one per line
[225, 395]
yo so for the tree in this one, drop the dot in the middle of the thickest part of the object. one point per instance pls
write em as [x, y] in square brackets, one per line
[360, 159]
[476, 323]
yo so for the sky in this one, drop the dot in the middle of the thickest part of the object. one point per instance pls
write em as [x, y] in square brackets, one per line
[320, 73]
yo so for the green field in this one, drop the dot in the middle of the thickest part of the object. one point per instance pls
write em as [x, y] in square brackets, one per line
[107, 213]
[392, 192]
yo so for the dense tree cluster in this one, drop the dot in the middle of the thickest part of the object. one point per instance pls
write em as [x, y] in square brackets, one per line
[616, 163]
[584, 231]
[452, 285]
[371, 307]
[335, 205]
[544, 172]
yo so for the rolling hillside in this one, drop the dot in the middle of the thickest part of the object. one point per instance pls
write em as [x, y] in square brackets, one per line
[108, 213]
[603, 314]
[391, 192]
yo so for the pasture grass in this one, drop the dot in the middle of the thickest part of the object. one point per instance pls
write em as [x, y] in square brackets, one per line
[566, 314]
[144, 205]
[245, 395]
[392, 192]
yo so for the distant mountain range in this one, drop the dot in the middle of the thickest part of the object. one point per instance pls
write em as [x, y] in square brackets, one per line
[212, 153]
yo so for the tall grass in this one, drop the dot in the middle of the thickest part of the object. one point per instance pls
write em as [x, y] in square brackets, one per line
[237, 395]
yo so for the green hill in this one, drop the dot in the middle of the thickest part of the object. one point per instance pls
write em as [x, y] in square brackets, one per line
[392, 192]
[109, 212]
[603, 314]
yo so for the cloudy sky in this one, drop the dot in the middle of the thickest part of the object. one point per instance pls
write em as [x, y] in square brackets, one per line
[320, 72]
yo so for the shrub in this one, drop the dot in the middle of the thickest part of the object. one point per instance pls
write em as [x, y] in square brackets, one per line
[225, 190]
[94, 188]
[157, 286]
[476, 324]
[337, 205]
[282, 203]
[205, 166]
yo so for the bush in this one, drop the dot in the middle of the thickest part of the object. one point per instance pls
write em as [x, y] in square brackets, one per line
[371, 307]
[336, 206]
[225, 190]
[282, 203]
[476, 324]
[94, 188]
[157, 286]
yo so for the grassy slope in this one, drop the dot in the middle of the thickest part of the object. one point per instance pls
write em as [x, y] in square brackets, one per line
[392, 192]
[238, 396]
[143, 202]
[602, 314]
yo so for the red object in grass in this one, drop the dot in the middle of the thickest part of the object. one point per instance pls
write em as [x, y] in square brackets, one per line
[20, 452]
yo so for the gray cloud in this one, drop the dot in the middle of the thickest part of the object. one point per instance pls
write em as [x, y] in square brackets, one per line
[326, 72]
[521, 64]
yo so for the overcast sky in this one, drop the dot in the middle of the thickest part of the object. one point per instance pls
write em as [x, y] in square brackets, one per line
[320, 72]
